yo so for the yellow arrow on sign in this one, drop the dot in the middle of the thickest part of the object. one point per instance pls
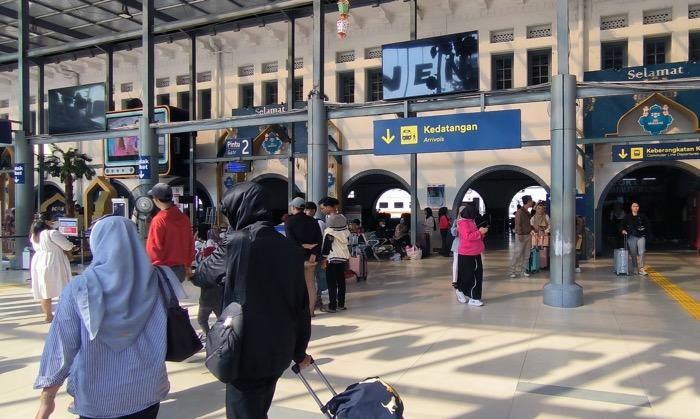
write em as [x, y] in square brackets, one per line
[388, 138]
[623, 154]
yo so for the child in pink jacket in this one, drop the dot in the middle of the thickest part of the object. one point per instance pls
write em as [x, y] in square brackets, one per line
[470, 270]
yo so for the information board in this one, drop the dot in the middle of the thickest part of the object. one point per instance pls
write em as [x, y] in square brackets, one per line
[652, 152]
[460, 132]
[68, 226]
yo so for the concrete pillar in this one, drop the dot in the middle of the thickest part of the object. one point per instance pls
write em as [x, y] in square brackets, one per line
[24, 158]
[317, 180]
[562, 291]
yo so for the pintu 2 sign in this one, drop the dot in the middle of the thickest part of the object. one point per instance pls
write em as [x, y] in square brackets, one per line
[461, 132]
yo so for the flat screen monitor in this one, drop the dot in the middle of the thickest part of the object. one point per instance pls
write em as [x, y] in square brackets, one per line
[124, 151]
[77, 109]
[431, 66]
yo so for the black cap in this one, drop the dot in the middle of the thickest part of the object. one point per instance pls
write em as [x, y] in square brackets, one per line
[162, 191]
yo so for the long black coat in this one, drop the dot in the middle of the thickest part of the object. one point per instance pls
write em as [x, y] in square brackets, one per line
[277, 323]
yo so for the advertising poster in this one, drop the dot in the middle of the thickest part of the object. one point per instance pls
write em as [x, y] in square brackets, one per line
[436, 196]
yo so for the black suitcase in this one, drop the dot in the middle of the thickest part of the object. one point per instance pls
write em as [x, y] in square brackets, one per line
[368, 399]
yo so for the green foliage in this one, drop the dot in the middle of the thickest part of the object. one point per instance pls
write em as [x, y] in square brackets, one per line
[65, 164]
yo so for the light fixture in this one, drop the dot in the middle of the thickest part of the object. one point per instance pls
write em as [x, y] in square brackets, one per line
[125, 11]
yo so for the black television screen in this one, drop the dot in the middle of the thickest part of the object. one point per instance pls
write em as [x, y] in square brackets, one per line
[77, 109]
[431, 66]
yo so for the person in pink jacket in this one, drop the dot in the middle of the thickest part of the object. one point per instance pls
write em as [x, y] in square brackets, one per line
[470, 270]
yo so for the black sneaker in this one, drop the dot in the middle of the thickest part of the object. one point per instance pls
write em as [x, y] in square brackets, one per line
[342, 308]
[327, 309]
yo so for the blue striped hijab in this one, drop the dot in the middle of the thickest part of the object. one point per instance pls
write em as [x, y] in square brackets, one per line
[116, 293]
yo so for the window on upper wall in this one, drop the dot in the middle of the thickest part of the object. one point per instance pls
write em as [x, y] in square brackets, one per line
[204, 104]
[502, 71]
[163, 99]
[656, 50]
[270, 92]
[247, 94]
[183, 100]
[346, 87]
[299, 90]
[375, 85]
[32, 123]
[613, 55]
[538, 66]
[694, 46]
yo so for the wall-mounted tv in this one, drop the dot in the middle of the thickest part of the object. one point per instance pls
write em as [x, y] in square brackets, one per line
[77, 109]
[121, 154]
[431, 66]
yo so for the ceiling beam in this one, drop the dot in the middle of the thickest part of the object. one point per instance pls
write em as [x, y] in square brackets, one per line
[8, 50]
[46, 25]
[157, 14]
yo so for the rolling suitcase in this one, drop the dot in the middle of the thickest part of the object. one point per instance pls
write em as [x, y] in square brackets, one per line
[369, 399]
[358, 263]
[621, 260]
[544, 257]
[533, 264]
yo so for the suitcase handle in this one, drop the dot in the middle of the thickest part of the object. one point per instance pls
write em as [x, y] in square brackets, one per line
[321, 405]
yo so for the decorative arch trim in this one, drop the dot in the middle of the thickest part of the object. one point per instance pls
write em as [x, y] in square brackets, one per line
[502, 167]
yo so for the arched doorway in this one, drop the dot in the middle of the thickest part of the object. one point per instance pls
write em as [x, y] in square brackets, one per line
[275, 187]
[497, 185]
[361, 193]
[204, 200]
[668, 193]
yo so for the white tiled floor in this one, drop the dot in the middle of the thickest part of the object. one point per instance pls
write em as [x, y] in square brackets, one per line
[630, 351]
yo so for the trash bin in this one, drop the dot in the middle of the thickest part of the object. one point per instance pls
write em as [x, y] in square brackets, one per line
[26, 257]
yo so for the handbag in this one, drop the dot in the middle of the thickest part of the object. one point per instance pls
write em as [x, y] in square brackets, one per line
[225, 338]
[181, 338]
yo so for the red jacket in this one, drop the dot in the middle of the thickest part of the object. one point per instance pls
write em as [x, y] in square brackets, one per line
[170, 240]
[471, 242]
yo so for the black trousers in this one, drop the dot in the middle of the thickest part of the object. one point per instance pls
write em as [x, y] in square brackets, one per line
[250, 398]
[335, 277]
[445, 251]
[470, 275]
[148, 413]
[203, 317]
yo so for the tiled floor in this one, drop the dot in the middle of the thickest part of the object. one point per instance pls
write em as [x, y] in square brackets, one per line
[630, 351]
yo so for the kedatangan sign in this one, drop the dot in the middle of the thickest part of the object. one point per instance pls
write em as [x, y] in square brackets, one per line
[460, 132]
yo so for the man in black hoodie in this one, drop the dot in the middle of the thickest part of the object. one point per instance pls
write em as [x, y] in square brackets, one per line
[277, 322]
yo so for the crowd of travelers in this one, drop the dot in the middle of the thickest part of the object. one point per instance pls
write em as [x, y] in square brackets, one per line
[108, 335]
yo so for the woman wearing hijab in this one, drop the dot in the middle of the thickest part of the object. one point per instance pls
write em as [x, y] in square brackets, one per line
[109, 337]
[50, 268]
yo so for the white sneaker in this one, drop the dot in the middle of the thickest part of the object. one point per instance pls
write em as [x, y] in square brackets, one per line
[526, 274]
[461, 297]
[477, 303]
[642, 272]
[513, 275]
[578, 270]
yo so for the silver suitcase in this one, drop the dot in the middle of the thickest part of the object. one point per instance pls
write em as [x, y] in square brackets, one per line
[621, 260]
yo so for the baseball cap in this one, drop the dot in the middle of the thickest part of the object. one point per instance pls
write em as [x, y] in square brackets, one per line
[162, 191]
[297, 202]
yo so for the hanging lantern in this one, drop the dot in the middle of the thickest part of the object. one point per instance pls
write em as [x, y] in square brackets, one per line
[342, 27]
[343, 7]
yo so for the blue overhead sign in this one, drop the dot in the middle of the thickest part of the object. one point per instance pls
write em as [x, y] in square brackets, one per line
[651, 152]
[435, 134]
[238, 147]
[19, 173]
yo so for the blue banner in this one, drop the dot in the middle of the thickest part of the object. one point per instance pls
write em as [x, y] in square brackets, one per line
[19, 173]
[601, 114]
[144, 168]
[435, 134]
[651, 152]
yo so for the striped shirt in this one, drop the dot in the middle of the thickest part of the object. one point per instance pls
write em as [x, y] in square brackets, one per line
[104, 383]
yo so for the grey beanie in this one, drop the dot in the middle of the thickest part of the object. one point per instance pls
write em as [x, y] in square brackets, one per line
[337, 221]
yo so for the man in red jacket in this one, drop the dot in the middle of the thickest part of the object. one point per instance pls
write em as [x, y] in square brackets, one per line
[170, 241]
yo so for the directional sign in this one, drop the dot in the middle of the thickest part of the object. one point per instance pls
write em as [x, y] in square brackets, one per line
[19, 173]
[238, 147]
[650, 152]
[144, 168]
[461, 132]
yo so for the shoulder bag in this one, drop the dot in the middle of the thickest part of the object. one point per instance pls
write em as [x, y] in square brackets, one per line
[182, 339]
[225, 339]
